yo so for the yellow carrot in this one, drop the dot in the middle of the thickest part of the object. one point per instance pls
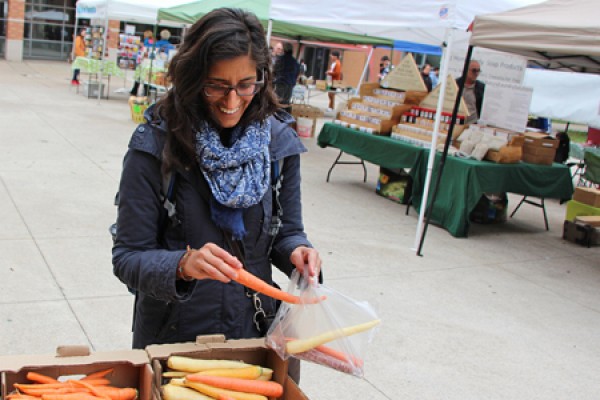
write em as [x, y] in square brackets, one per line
[188, 364]
[302, 345]
[176, 392]
[216, 392]
[241, 373]
[174, 374]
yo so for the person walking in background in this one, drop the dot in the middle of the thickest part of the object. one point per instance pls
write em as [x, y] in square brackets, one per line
[145, 52]
[220, 140]
[303, 70]
[148, 39]
[473, 92]
[285, 74]
[164, 45]
[276, 51]
[78, 51]
[425, 75]
[385, 66]
[433, 75]
[334, 74]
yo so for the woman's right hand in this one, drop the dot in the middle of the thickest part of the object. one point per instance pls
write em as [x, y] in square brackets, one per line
[210, 262]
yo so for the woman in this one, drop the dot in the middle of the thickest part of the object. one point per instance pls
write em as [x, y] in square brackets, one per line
[78, 51]
[215, 138]
[335, 74]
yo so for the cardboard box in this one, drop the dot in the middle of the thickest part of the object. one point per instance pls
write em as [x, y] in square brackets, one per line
[366, 89]
[90, 89]
[593, 220]
[131, 367]
[252, 351]
[302, 112]
[581, 234]
[536, 139]
[589, 196]
[539, 148]
[320, 85]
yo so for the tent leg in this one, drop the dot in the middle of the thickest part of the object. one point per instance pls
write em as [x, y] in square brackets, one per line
[446, 147]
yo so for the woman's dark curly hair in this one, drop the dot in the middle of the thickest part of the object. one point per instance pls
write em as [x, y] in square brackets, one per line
[222, 34]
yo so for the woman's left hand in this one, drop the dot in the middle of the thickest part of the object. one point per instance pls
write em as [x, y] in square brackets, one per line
[305, 257]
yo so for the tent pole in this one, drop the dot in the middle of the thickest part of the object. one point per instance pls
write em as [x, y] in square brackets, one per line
[269, 31]
[362, 76]
[75, 34]
[447, 51]
[447, 144]
[104, 44]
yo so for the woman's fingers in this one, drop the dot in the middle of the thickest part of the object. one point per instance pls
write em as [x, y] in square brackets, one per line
[213, 262]
[305, 257]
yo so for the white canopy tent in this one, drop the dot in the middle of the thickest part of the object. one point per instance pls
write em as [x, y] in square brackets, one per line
[559, 34]
[556, 34]
[568, 96]
[137, 11]
[434, 22]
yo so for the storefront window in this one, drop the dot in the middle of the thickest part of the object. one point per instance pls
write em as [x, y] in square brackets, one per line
[49, 27]
[3, 17]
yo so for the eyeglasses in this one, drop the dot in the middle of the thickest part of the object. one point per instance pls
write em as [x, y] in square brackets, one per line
[242, 89]
[475, 70]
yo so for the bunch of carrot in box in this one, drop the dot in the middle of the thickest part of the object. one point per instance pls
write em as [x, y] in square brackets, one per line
[196, 379]
[93, 386]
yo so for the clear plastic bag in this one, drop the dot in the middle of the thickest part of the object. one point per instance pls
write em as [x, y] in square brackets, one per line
[339, 327]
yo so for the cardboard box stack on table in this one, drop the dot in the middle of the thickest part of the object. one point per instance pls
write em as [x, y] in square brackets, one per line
[381, 106]
[539, 148]
[582, 221]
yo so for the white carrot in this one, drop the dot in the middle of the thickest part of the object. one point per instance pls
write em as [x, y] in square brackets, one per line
[175, 392]
[302, 345]
[188, 364]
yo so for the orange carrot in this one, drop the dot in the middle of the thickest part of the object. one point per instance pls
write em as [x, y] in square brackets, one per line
[98, 374]
[251, 281]
[70, 396]
[91, 388]
[21, 396]
[39, 378]
[266, 388]
[339, 355]
[115, 393]
[224, 397]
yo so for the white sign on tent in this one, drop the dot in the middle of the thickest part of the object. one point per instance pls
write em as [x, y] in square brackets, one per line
[506, 106]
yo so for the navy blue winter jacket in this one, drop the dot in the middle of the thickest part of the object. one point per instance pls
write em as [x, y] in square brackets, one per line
[168, 310]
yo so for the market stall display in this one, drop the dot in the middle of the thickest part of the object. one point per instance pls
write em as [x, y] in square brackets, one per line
[465, 180]
[94, 42]
[128, 52]
[96, 69]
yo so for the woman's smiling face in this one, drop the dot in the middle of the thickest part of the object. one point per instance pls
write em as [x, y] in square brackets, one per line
[240, 72]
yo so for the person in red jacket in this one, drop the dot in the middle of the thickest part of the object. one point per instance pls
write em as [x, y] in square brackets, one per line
[335, 72]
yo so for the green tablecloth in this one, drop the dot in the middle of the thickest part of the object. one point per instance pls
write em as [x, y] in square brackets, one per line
[464, 181]
[379, 150]
[142, 72]
[91, 66]
[577, 150]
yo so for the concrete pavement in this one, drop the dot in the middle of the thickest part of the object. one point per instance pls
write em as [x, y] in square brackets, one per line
[512, 312]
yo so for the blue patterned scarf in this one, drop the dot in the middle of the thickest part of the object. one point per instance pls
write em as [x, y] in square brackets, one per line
[238, 176]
